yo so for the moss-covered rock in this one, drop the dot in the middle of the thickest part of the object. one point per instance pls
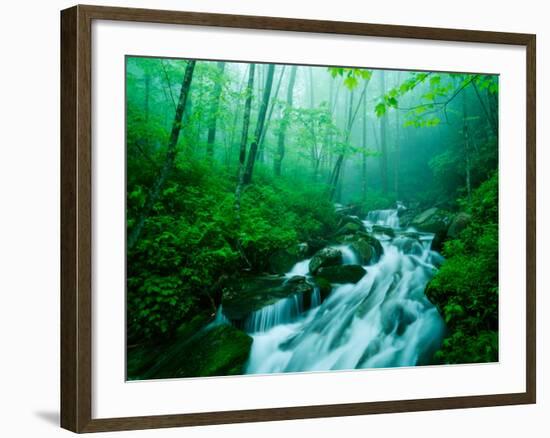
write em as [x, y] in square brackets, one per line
[141, 358]
[314, 245]
[459, 223]
[436, 221]
[357, 243]
[363, 250]
[217, 351]
[383, 230]
[325, 257]
[342, 274]
[325, 288]
[283, 260]
[349, 228]
[249, 294]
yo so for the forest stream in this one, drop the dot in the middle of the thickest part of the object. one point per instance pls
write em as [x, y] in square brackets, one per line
[384, 320]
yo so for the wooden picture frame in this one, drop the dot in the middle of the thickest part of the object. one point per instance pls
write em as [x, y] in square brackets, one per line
[76, 217]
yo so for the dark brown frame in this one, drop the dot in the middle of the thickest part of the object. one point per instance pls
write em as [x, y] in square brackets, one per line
[76, 218]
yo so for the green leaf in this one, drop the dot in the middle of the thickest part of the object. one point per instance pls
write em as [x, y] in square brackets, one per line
[380, 109]
[350, 82]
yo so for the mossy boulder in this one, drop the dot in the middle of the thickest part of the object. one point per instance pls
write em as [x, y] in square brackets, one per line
[346, 219]
[217, 351]
[383, 230]
[140, 359]
[283, 260]
[349, 228]
[342, 274]
[363, 250]
[459, 223]
[408, 245]
[436, 221]
[397, 319]
[314, 245]
[325, 257]
[325, 288]
[359, 244]
[249, 294]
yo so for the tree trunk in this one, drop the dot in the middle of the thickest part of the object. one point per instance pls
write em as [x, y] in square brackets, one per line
[311, 94]
[467, 149]
[147, 93]
[259, 126]
[335, 177]
[244, 141]
[171, 152]
[269, 114]
[214, 115]
[277, 163]
[364, 161]
[383, 145]
[397, 156]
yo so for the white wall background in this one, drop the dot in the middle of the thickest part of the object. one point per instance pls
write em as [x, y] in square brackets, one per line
[29, 219]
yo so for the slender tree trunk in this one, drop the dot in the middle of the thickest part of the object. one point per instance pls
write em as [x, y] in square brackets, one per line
[147, 93]
[492, 122]
[311, 94]
[269, 114]
[383, 145]
[397, 156]
[214, 115]
[244, 141]
[277, 163]
[365, 149]
[171, 152]
[259, 126]
[335, 177]
[467, 148]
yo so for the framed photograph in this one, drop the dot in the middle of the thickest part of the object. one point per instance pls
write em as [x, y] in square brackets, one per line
[269, 218]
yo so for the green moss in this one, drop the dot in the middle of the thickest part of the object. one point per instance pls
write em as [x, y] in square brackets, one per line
[217, 351]
[221, 351]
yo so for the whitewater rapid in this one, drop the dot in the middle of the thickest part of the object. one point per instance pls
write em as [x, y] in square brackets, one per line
[384, 320]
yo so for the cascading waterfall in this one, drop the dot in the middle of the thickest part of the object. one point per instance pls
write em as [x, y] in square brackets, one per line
[384, 320]
[281, 312]
[387, 218]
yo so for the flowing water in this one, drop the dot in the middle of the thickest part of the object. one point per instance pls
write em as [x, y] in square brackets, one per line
[384, 320]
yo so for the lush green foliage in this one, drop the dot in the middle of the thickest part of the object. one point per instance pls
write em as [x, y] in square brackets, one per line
[192, 241]
[466, 287]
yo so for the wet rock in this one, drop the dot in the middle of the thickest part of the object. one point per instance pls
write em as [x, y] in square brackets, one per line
[408, 245]
[397, 318]
[253, 293]
[217, 351]
[283, 260]
[436, 221]
[349, 228]
[359, 240]
[325, 288]
[325, 257]
[346, 219]
[459, 223]
[363, 250]
[383, 230]
[342, 274]
[315, 245]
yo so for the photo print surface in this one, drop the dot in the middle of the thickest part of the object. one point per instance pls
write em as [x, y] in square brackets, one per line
[293, 218]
